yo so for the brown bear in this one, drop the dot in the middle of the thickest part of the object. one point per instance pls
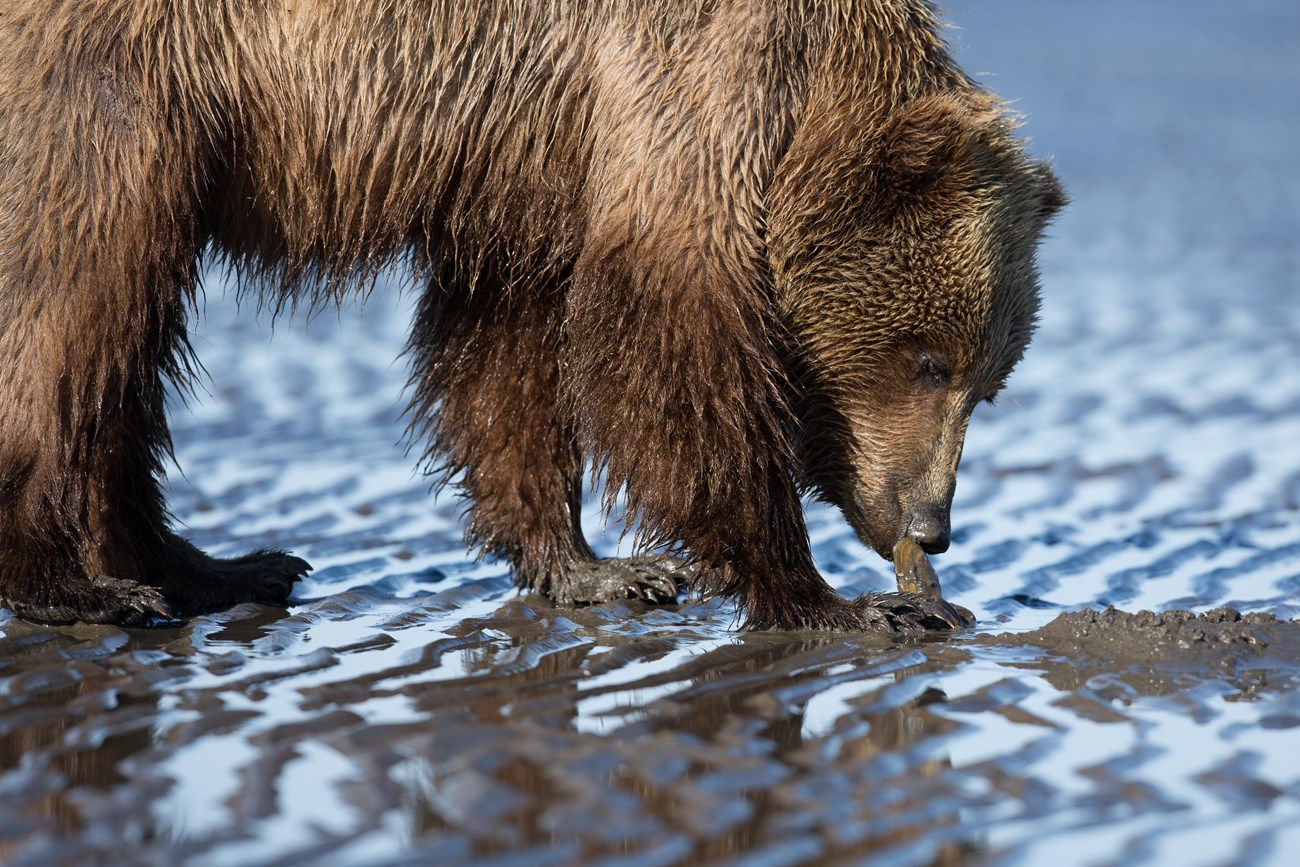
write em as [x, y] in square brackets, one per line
[724, 251]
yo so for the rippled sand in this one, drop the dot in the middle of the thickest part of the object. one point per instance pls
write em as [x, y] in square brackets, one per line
[410, 707]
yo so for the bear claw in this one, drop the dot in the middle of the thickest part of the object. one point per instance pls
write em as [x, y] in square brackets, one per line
[101, 599]
[129, 603]
[277, 573]
[910, 613]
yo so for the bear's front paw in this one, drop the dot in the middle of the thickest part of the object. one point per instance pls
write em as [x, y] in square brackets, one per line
[655, 580]
[910, 613]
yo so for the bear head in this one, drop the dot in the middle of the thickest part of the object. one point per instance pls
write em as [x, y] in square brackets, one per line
[903, 256]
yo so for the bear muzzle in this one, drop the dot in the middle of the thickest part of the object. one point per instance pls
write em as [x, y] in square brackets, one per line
[881, 522]
[930, 527]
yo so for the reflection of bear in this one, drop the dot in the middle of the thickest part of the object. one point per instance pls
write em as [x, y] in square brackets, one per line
[717, 249]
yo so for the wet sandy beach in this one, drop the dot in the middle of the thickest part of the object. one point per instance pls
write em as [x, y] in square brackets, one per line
[410, 707]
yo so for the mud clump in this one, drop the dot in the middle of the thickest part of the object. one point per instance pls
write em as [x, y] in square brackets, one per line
[1176, 636]
[1163, 653]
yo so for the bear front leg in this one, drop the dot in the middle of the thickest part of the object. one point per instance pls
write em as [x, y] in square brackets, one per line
[676, 394]
[678, 388]
[673, 349]
[98, 247]
[691, 423]
[486, 384]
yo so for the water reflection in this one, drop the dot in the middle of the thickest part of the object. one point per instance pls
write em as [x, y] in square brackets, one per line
[716, 764]
[72, 714]
[363, 726]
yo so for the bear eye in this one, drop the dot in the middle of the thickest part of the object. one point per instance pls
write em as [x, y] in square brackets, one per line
[934, 371]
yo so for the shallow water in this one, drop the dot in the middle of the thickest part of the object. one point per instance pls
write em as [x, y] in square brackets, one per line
[410, 707]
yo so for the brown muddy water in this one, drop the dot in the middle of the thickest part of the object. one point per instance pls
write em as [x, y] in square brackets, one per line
[409, 707]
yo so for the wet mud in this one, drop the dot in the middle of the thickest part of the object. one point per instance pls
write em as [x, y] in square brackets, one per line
[371, 728]
[410, 707]
[1172, 648]
[1218, 635]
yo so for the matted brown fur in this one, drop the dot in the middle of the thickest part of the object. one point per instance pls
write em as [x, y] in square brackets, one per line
[717, 249]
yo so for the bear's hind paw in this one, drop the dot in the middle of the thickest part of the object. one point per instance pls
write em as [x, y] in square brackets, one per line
[655, 580]
[101, 599]
[202, 583]
[129, 604]
[264, 576]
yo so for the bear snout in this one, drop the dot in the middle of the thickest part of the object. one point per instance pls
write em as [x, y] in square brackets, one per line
[929, 527]
[882, 522]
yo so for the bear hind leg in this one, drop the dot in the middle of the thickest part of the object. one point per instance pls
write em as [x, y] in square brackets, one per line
[67, 598]
[84, 532]
[98, 248]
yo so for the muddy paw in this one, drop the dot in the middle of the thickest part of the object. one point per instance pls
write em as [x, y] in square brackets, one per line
[909, 613]
[101, 599]
[127, 603]
[655, 580]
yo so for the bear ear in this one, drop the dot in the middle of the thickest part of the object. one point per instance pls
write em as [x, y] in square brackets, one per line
[1052, 195]
[922, 140]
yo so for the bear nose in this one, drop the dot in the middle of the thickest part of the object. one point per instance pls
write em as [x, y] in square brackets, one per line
[929, 529]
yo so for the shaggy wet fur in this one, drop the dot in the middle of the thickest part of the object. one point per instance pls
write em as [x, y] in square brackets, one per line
[716, 249]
